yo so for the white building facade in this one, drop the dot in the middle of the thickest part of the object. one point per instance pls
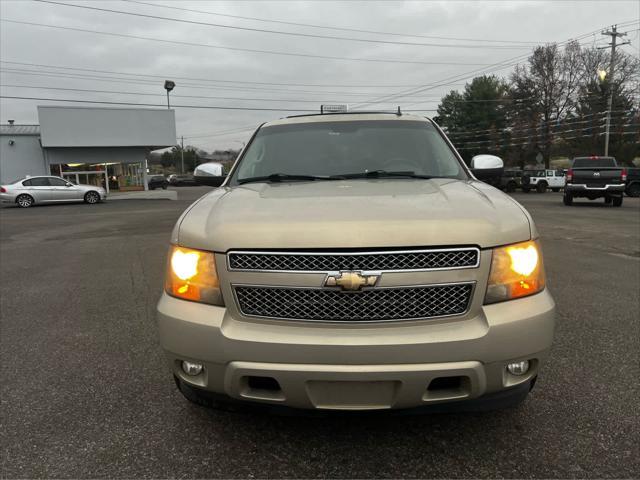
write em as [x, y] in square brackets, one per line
[95, 146]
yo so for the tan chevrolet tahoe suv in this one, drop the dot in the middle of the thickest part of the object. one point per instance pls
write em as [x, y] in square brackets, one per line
[353, 262]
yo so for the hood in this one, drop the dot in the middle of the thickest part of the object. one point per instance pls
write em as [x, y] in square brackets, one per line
[353, 214]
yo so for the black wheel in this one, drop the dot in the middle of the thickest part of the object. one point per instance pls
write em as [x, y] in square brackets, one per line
[633, 190]
[511, 187]
[164, 187]
[24, 200]
[555, 190]
[541, 187]
[607, 200]
[617, 201]
[567, 199]
[91, 197]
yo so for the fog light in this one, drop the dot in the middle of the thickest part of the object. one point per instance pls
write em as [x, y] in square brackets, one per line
[518, 368]
[191, 369]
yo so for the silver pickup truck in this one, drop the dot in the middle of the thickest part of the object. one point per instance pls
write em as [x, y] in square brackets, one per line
[352, 261]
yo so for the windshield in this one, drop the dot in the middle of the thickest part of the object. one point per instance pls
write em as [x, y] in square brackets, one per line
[332, 149]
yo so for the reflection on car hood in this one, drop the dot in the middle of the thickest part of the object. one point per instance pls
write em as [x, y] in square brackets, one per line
[354, 214]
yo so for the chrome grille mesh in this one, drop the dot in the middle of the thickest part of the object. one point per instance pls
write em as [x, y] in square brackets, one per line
[329, 262]
[369, 305]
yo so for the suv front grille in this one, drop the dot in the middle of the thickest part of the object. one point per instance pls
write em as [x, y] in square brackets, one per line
[379, 304]
[376, 261]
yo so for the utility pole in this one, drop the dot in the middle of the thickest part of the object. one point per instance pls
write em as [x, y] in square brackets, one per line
[614, 34]
[182, 154]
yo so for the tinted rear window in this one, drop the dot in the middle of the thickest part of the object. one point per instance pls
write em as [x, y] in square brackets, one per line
[594, 162]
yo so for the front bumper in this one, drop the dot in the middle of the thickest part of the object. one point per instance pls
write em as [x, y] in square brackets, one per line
[357, 367]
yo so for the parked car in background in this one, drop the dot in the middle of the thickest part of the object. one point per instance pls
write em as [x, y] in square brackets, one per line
[633, 182]
[595, 177]
[541, 180]
[157, 181]
[47, 189]
[181, 180]
[511, 180]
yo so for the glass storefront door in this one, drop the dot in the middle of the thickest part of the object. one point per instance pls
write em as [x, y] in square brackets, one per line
[111, 176]
[97, 178]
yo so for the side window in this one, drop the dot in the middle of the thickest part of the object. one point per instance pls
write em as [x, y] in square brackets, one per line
[40, 182]
[57, 182]
[27, 183]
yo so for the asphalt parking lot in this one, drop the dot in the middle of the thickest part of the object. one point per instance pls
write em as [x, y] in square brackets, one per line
[85, 391]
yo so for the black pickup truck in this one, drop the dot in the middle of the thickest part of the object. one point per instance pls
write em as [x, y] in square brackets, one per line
[633, 182]
[595, 177]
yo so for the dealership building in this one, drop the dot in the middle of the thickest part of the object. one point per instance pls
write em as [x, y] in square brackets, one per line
[95, 146]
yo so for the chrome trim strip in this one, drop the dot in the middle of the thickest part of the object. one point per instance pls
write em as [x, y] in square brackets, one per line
[584, 186]
[356, 322]
[376, 252]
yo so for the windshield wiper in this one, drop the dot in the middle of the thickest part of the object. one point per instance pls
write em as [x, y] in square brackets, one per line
[381, 174]
[282, 177]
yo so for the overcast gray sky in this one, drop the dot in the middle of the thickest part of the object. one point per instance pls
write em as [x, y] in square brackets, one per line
[492, 33]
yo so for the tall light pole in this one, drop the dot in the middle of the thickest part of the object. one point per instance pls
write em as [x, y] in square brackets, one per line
[168, 86]
[614, 34]
[182, 154]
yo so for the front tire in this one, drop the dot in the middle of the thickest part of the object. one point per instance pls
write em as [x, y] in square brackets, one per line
[25, 201]
[91, 198]
[541, 187]
[617, 201]
[567, 199]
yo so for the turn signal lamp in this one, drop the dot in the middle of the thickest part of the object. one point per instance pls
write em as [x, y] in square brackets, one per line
[516, 271]
[191, 275]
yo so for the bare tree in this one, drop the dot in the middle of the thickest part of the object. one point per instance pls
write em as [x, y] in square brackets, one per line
[550, 79]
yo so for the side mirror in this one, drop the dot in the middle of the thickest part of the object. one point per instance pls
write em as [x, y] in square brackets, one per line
[210, 174]
[486, 167]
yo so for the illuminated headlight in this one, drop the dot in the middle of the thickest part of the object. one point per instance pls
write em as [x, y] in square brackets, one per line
[191, 275]
[516, 271]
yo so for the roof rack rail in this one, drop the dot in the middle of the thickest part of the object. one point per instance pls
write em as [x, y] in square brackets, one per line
[397, 112]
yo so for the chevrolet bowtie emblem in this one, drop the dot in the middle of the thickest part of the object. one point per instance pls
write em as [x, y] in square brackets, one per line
[351, 281]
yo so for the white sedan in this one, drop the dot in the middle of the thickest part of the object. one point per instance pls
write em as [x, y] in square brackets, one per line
[48, 189]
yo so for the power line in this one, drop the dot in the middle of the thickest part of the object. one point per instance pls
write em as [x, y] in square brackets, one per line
[496, 67]
[237, 49]
[293, 100]
[212, 107]
[278, 32]
[134, 81]
[163, 105]
[172, 95]
[235, 81]
[326, 27]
